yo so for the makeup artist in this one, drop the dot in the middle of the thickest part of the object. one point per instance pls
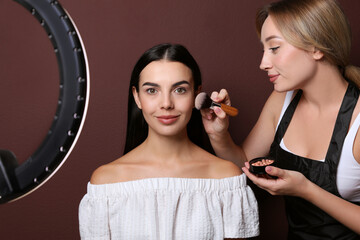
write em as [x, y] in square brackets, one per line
[310, 122]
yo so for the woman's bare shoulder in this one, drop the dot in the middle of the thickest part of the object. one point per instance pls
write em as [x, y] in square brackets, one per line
[119, 170]
[224, 168]
[101, 175]
[220, 168]
[275, 102]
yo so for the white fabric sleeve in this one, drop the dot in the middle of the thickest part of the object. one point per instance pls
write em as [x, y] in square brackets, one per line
[93, 218]
[240, 213]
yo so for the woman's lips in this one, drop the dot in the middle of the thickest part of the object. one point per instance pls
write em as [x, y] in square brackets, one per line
[169, 119]
[273, 77]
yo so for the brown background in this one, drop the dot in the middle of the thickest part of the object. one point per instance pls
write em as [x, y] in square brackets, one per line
[220, 35]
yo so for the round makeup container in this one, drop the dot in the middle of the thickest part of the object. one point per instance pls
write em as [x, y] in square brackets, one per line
[257, 165]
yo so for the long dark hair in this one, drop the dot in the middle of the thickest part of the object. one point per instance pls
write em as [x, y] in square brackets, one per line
[137, 128]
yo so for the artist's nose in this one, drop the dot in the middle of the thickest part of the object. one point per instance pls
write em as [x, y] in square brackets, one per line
[265, 62]
[167, 101]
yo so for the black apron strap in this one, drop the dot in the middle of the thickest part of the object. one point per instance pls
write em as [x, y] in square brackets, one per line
[341, 129]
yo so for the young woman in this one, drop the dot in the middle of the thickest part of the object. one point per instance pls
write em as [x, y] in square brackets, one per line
[165, 186]
[310, 122]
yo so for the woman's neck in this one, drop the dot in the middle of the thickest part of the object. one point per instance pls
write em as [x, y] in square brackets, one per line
[168, 148]
[326, 88]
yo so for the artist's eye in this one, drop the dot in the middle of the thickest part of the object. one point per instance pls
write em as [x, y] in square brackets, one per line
[180, 90]
[274, 49]
[151, 90]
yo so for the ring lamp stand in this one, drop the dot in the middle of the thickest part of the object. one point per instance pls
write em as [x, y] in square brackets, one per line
[16, 181]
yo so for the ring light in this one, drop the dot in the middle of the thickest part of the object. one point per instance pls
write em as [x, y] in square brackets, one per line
[16, 180]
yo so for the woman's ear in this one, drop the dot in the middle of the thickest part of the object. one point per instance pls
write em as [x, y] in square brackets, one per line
[317, 54]
[136, 97]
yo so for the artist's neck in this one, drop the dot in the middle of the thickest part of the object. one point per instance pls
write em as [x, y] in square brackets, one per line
[326, 87]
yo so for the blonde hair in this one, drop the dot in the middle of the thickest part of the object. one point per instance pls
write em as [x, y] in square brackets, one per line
[314, 23]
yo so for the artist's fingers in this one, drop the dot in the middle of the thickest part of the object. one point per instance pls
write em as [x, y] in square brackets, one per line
[276, 172]
[265, 183]
[214, 96]
[247, 165]
[207, 113]
[245, 169]
[253, 177]
[219, 97]
[224, 97]
[219, 113]
[291, 183]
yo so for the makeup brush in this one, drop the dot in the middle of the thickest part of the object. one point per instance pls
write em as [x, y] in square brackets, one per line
[203, 100]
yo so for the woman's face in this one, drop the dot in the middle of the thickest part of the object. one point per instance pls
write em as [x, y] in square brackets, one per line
[288, 67]
[166, 96]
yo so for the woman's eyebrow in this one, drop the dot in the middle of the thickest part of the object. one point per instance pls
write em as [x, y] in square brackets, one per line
[180, 83]
[157, 85]
[272, 37]
[150, 84]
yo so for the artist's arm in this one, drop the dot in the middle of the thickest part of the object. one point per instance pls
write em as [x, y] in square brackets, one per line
[295, 184]
[216, 124]
[257, 143]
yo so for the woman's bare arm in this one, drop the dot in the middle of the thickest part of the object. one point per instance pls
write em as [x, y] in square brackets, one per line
[256, 144]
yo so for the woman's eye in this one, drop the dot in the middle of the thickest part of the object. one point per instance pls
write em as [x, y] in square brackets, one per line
[151, 90]
[274, 49]
[180, 90]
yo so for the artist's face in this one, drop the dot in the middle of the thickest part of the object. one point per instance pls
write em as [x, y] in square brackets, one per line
[166, 97]
[288, 67]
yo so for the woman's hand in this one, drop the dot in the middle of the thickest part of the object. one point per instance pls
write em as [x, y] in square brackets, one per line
[295, 184]
[287, 182]
[215, 121]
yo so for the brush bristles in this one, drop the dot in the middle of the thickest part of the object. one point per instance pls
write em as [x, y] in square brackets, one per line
[202, 100]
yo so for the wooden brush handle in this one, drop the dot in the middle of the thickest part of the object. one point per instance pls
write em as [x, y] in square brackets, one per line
[231, 111]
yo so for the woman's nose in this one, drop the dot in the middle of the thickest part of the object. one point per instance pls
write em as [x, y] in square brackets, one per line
[265, 63]
[167, 102]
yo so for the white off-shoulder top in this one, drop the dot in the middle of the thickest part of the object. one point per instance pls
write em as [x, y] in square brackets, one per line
[170, 209]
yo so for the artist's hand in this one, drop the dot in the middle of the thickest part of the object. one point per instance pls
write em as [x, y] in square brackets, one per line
[216, 121]
[288, 182]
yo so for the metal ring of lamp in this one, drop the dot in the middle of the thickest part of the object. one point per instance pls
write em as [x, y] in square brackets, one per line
[16, 180]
